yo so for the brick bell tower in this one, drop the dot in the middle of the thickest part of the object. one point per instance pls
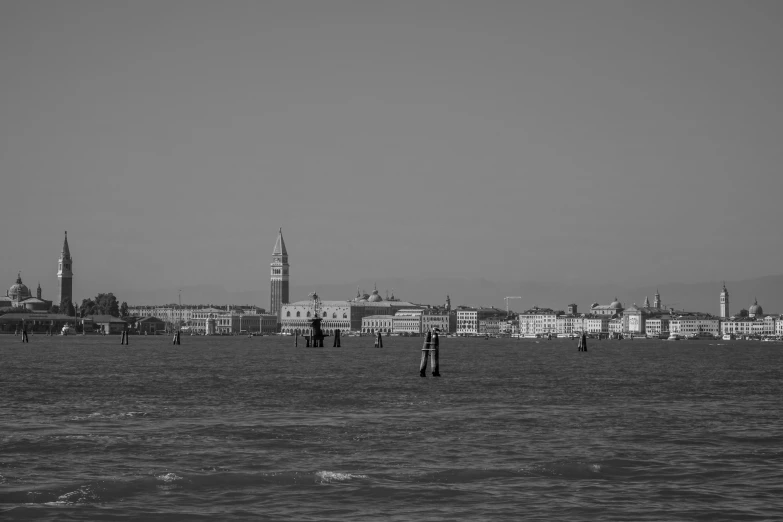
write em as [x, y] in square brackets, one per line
[65, 274]
[278, 294]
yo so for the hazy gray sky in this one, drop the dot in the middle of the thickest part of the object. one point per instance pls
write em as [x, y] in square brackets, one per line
[545, 140]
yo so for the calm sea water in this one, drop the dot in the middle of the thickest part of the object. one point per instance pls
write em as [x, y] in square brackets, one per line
[248, 429]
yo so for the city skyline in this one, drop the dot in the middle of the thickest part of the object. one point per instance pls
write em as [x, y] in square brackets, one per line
[595, 142]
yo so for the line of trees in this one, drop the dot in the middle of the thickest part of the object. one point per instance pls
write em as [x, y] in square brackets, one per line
[102, 304]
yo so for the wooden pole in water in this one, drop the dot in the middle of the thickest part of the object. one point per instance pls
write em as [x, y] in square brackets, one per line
[336, 339]
[296, 337]
[380, 340]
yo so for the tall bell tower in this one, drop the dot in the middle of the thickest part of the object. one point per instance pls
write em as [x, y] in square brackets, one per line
[278, 294]
[724, 302]
[65, 274]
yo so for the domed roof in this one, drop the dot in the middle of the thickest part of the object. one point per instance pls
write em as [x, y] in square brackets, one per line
[616, 304]
[755, 308]
[19, 290]
[375, 297]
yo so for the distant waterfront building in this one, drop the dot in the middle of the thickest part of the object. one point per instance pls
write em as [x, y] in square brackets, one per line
[18, 295]
[657, 325]
[150, 325]
[107, 324]
[407, 322]
[657, 300]
[65, 274]
[439, 318]
[183, 314]
[377, 323]
[779, 326]
[756, 325]
[232, 321]
[468, 318]
[538, 321]
[569, 323]
[343, 315]
[635, 318]
[695, 323]
[755, 309]
[492, 326]
[724, 302]
[278, 294]
[37, 322]
[596, 324]
[616, 325]
[613, 308]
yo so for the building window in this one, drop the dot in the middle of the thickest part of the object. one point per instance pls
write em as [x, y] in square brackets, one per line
[288, 314]
[308, 314]
[298, 314]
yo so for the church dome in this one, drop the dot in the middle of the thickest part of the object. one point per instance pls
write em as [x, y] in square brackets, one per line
[19, 290]
[375, 297]
[615, 304]
[755, 309]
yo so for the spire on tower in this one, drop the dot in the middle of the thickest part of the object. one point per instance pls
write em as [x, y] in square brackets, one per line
[66, 251]
[280, 245]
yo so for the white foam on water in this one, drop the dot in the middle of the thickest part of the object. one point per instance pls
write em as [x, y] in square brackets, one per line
[332, 476]
[169, 477]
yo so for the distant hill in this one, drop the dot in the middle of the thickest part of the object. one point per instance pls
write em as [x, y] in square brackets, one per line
[479, 291]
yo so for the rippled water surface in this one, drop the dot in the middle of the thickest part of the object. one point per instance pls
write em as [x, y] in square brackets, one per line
[237, 428]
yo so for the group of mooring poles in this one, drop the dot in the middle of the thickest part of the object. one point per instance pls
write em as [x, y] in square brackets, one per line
[175, 341]
[124, 339]
[316, 343]
[582, 345]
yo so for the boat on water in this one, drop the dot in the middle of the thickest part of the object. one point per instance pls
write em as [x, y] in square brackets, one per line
[728, 337]
[673, 337]
[68, 330]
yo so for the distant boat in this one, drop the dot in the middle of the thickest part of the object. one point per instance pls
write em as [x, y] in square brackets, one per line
[68, 330]
[728, 337]
[673, 337]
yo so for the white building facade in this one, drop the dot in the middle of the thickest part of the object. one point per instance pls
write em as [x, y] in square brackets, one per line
[378, 323]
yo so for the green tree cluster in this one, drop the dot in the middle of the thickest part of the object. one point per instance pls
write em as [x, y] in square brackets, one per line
[102, 304]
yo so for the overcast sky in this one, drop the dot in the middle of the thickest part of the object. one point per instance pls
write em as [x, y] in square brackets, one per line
[549, 140]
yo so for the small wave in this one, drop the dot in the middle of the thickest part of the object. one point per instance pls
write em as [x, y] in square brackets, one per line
[168, 478]
[575, 470]
[82, 495]
[102, 416]
[326, 477]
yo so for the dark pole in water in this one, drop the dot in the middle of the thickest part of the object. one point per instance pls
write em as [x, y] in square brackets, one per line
[24, 333]
[296, 337]
[308, 338]
[425, 352]
[434, 354]
[336, 343]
